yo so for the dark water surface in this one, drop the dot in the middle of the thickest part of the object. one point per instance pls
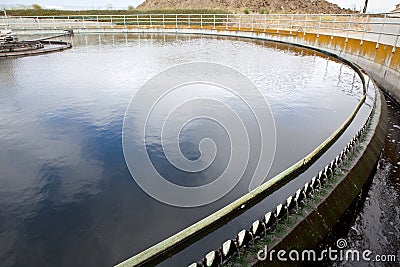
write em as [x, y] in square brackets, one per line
[374, 225]
[66, 195]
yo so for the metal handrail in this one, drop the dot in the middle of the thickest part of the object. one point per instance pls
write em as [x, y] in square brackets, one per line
[379, 28]
[334, 22]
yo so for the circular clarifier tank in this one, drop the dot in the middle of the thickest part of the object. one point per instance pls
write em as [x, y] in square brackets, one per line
[67, 196]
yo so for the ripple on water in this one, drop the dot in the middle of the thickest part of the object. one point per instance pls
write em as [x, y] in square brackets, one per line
[66, 196]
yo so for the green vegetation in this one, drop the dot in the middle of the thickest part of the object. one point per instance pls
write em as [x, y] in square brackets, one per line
[160, 17]
[264, 11]
[246, 11]
[53, 12]
[131, 8]
[36, 7]
[327, 18]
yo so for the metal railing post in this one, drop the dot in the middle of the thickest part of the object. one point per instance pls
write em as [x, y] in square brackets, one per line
[125, 22]
[319, 25]
[348, 27]
[22, 23]
[83, 22]
[176, 21]
[214, 22]
[201, 21]
[334, 26]
[137, 20]
[7, 18]
[252, 22]
[279, 24]
[189, 20]
[97, 20]
[265, 22]
[364, 30]
[396, 41]
[151, 23]
[240, 21]
[381, 31]
[291, 25]
[305, 25]
[163, 21]
[226, 22]
[38, 24]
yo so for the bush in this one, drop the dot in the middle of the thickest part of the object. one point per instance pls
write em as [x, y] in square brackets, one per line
[262, 10]
[36, 7]
[52, 12]
[246, 11]
[130, 8]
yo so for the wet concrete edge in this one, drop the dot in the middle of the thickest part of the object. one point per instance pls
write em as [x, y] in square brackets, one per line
[309, 232]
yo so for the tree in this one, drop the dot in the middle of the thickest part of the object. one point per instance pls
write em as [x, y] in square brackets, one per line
[130, 8]
[36, 7]
[365, 6]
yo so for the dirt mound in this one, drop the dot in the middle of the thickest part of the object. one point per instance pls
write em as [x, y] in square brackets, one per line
[256, 6]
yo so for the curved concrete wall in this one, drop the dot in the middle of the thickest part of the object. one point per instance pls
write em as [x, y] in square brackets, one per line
[309, 231]
[307, 217]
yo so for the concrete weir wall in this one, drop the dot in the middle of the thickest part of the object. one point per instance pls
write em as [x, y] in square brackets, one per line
[307, 217]
[315, 224]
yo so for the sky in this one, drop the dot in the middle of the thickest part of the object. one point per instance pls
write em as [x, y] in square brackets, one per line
[373, 5]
